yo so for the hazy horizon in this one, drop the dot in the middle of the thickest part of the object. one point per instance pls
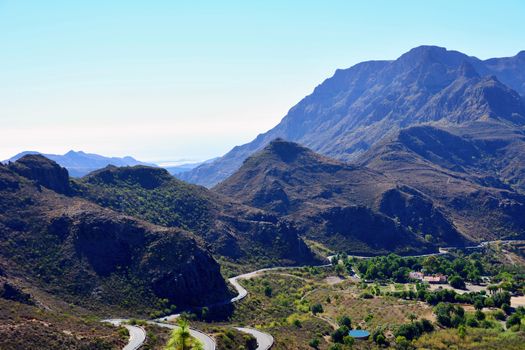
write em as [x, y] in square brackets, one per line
[165, 81]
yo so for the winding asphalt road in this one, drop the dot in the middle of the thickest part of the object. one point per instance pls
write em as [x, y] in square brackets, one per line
[264, 340]
[137, 335]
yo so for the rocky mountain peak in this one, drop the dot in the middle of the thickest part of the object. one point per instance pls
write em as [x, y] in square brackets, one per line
[285, 150]
[43, 171]
[424, 55]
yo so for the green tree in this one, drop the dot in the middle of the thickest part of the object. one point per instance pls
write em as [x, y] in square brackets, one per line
[480, 316]
[513, 320]
[402, 343]
[181, 339]
[462, 331]
[478, 304]
[348, 341]
[457, 282]
[339, 334]
[381, 340]
[317, 309]
[345, 321]
[506, 308]
[314, 343]
[205, 312]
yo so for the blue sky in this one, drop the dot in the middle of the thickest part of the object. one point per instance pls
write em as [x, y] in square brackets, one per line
[168, 80]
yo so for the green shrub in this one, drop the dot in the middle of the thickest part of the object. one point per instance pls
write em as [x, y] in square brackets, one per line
[317, 309]
[314, 343]
[513, 320]
[457, 282]
[345, 321]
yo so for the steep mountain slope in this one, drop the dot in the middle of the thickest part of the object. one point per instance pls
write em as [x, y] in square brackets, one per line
[469, 172]
[346, 207]
[80, 163]
[31, 327]
[232, 231]
[91, 256]
[357, 107]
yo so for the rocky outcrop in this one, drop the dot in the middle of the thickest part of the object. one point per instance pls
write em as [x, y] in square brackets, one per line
[12, 292]
[43, 172]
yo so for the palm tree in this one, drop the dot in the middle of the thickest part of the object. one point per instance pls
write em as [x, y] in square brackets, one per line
[181, 339]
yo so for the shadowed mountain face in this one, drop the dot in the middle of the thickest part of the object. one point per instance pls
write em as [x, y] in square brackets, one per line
[347, 207]
[92, 256]
[357, 107]
[474, 173]
[422, 183]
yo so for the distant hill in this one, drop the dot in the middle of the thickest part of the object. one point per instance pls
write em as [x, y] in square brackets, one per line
[357, 107]
[80, 163]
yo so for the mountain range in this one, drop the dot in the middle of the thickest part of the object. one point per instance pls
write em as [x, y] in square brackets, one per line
[427, 149]
[80, 163]
[357, 107]
[129, 238]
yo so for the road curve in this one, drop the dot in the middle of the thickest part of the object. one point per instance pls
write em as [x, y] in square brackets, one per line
[264, 340]
[137, 335]
[242, 292]
[207, 342]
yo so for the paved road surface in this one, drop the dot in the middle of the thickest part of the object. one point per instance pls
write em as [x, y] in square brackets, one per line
[264, 340]
[137, 335]
[206, 340]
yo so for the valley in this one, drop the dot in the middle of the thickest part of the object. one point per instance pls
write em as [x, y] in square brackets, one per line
[385, 210]
[310, 286]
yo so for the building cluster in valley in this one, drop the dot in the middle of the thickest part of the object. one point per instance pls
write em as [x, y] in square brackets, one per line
[420, 276]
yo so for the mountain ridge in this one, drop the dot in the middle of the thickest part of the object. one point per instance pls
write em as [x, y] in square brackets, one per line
[356, 107]
[79, 163]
